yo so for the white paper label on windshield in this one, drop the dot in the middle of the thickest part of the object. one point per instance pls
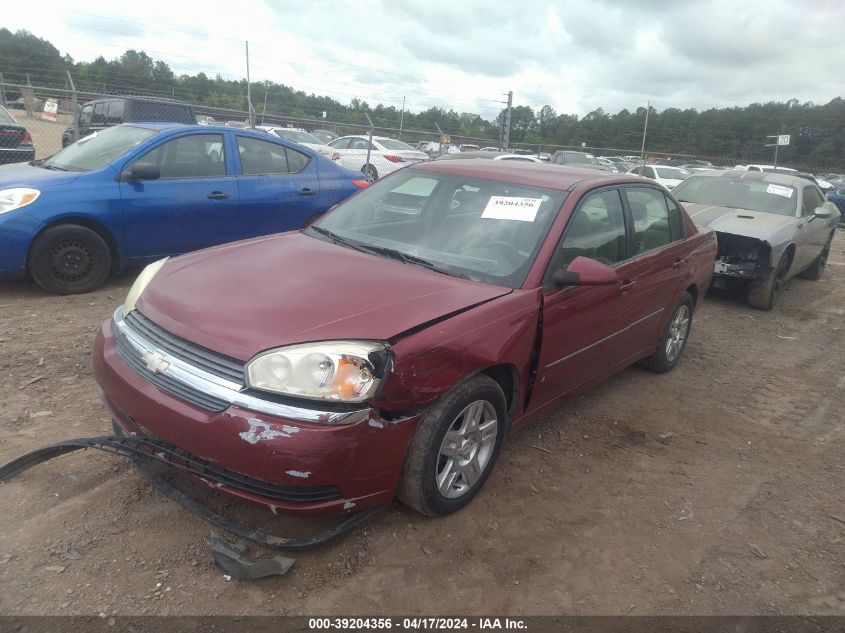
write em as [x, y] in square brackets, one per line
[786, 192]
[512, 208]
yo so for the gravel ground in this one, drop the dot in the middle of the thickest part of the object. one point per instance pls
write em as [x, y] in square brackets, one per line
[714, 489]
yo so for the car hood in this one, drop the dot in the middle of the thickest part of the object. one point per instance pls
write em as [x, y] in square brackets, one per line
[737, 221]
[243, 298]
[26, 175]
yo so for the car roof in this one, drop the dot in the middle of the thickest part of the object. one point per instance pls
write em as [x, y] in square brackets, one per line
[161, 126]
[774, 178]
[526, 173]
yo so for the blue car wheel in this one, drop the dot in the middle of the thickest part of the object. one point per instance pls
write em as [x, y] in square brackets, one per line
[69, 259]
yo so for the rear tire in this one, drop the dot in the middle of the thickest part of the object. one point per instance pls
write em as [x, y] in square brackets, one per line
[370, 173]
[443, 474]
[674, 338]
[816, 269]
[764, 294]
[69, 259]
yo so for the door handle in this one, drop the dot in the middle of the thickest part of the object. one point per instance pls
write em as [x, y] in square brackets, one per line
[306, 192]
[627, 285]
[679, 262]
[217, 195]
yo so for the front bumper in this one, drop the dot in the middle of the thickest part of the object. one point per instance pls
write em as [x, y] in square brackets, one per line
[361, 460]
[745, 270]
[17, 229]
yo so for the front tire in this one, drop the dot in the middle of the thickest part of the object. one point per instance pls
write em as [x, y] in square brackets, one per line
[764, 294]
[69, 259]
[674, 338]
[454, 447]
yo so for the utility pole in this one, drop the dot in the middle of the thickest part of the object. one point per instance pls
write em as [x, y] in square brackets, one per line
[248, 90]
[264, 109]
[645, 129]
[401, 118]
[506, 134]
[74, 106]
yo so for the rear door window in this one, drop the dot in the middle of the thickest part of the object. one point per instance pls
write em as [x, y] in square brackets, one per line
[650, 215]
[261, 158]
[114, 112]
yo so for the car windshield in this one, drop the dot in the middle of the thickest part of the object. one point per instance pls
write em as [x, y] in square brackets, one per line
[389, 143]
[672, 174]
[97, 150]
[485, 230]
[5, 117]
[738, 193]
[298, 136]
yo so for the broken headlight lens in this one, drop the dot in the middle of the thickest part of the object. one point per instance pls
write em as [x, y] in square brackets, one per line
[140, 284]
[343, 371]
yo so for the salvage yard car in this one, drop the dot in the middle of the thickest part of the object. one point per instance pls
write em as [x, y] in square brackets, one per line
[15, 142]
[389, 347]
[132, 193]
[385, 155]
[770, 227]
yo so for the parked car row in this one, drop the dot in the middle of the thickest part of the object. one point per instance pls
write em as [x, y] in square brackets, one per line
[408, 343]
[386, 348]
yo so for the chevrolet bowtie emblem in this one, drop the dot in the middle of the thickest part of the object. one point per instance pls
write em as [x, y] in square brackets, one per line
[155, 362]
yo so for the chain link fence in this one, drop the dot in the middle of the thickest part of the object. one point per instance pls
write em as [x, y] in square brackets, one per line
[39, 121]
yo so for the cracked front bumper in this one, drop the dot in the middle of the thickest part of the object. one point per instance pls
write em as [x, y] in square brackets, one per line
[362, 459]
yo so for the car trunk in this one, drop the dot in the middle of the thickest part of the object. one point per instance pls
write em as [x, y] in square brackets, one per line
[11, 136]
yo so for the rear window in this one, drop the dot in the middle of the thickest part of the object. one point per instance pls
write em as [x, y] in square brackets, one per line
[5, 117]
[389, 143]
[576, 158]
[153, 111]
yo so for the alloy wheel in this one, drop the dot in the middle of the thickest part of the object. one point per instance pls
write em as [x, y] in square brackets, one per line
[466, 449]
[678, 331]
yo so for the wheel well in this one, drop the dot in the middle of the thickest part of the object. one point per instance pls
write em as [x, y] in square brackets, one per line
[508, 379]
[790, 252]
[693, 292]
[93, 225]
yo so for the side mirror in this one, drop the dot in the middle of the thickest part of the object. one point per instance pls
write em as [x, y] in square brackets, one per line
[142, 171]
[822, 213]
[583, 271]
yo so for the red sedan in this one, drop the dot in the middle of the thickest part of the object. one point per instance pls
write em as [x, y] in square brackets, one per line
[387, 349]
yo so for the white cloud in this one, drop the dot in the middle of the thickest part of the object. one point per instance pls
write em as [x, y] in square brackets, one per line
[574, 56]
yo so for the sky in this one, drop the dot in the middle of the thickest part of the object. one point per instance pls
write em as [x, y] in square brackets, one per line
[574, 55]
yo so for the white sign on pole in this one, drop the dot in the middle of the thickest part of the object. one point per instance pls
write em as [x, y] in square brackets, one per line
[783, 139]
[51, 109]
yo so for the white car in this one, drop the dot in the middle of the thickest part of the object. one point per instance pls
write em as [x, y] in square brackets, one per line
[386, 155]
[302, 137]
[669, 177]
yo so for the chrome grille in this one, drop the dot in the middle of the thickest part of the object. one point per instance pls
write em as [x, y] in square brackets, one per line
[133, 357]
[200, 357]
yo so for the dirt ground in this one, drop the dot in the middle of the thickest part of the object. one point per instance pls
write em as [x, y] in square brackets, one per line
[714, 489]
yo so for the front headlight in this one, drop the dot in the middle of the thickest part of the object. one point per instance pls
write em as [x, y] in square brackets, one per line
[345, 371]
[140, 284]
[11, 199]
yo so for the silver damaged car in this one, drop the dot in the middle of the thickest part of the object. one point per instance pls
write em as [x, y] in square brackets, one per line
[770, 227]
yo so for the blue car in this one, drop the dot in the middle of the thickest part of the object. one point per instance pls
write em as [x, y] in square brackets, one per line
[137, 192]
